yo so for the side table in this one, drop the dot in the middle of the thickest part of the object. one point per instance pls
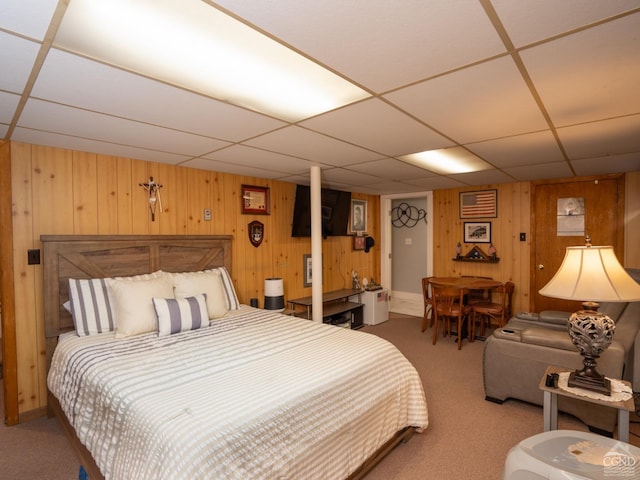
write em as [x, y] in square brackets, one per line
[550, 405]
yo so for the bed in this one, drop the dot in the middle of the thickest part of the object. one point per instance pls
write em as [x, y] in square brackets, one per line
[248, 394]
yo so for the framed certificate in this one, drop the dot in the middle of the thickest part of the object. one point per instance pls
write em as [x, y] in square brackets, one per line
[255, 200]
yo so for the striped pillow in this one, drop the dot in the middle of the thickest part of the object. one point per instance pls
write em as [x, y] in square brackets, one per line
[177, 315]
[229, 291]
[92, 308]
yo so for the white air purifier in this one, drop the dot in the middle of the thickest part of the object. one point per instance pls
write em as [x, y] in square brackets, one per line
[571, 455]
[274, 294]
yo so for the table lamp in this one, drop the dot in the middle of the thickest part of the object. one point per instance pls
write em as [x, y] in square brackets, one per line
[591, 274]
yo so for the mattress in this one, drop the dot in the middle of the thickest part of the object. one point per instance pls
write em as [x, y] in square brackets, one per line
[257, 394]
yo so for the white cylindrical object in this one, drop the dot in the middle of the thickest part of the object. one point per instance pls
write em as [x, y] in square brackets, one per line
[274, 294]
[316, 244]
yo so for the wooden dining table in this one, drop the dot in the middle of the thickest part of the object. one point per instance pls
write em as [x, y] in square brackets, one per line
[468, 283]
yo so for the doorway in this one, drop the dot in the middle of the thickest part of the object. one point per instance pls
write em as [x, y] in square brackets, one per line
[413, 241]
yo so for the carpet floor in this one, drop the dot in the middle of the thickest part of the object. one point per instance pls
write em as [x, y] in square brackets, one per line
[468, 437]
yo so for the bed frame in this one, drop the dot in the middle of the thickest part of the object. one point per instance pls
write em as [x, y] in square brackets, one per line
[99, 256]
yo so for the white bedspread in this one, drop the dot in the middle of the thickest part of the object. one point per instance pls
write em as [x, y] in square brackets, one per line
[255, 395]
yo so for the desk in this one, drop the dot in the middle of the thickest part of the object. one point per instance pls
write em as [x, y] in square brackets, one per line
[550, 405]
[336, 307]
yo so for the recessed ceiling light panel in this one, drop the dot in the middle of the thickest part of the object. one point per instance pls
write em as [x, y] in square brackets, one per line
[447, 161]
[191, 44]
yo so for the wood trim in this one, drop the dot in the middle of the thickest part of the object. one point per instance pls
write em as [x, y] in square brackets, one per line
[7, 297]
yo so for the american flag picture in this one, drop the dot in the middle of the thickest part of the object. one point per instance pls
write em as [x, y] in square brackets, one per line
[481, 204]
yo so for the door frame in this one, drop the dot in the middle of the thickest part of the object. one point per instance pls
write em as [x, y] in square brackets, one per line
[386, 245]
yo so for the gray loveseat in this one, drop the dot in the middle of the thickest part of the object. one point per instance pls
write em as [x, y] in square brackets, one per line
[517, 355]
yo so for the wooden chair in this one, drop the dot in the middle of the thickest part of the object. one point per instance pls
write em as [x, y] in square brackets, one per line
[477, 295]
[498, 311]
[448, 306]
[428, 303]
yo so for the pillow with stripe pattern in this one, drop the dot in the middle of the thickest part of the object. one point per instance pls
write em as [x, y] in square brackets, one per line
[91, 306]
[230, 292]
[177, 315]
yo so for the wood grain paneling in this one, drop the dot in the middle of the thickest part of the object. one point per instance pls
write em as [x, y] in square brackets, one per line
[57, 191]
[513, 218]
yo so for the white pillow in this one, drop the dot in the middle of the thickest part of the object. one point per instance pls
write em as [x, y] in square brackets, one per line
[180, 315]
[187, 284]
[134, 302]
[91, 307]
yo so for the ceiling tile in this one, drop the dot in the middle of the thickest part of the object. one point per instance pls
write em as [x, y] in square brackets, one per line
[540, 172]
[8, 104]
[76, 81]
[629, 162]
[380, 44]
[597, 139]
[436, 183]
[528, 21]
[379, 126]
[16, 57]
[233, 168]
[345, 176]
[528, 149]
[81, 123]
[392, 169]
[386, 188]
[27, 17]
[37, 137]
[484, 177]
[304, 143]
[490, 100]
[591, 75]
[243, 155]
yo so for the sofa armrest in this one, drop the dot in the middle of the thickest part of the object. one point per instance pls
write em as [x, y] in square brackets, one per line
[547, 337]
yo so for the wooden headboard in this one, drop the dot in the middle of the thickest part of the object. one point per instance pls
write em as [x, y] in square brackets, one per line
[100, 256]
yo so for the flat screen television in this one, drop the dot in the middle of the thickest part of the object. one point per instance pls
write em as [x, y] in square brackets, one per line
[336, 206]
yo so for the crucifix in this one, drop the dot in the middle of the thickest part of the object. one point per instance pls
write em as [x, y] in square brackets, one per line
[154, 196]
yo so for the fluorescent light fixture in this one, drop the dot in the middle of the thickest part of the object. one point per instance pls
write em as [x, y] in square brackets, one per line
[191, 44]
[447, 161]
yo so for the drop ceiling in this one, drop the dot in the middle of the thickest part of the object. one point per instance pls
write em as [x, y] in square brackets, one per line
[536, 88]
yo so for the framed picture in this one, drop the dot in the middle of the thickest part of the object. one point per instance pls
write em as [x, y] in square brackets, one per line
[358, 217]
[255, 200]
[359, 242]
[479, 204]
[477, 232]
[306, 268]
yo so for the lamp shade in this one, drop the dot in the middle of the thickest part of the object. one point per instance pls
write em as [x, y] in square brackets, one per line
[274, 294]
[594, 274]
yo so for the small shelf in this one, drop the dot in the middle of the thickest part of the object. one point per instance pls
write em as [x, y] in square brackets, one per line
[477, 260]
[478, 256]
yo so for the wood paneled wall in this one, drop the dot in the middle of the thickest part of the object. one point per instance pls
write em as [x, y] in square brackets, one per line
[513, 218]
[57, 191]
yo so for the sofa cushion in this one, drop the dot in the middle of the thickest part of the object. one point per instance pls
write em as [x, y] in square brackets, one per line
[547, 338]
[554, 317]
